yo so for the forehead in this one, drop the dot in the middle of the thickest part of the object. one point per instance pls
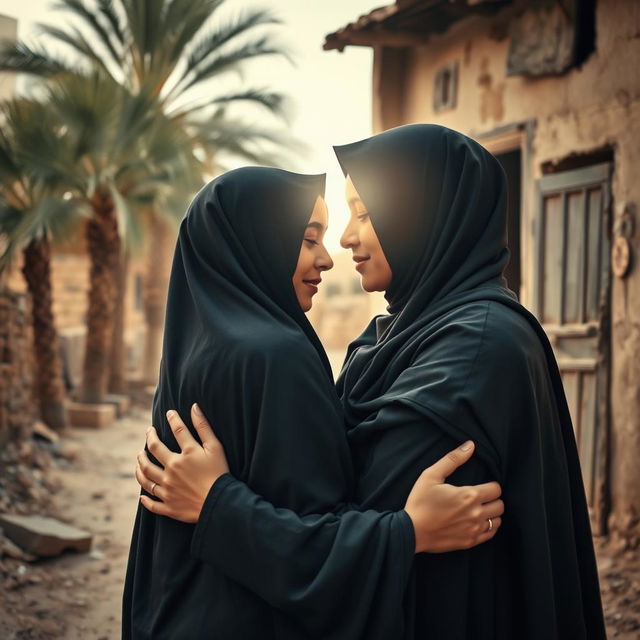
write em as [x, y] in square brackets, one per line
[350, 192]
[320, 213]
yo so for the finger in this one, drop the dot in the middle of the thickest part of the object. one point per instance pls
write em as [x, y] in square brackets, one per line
[159, 450]
[203, 428]
[182, 434]
[151, 487]
[493, 509]
[489, 491]
[151, 472]
[159, 508]
[487, 535]
[449, 463]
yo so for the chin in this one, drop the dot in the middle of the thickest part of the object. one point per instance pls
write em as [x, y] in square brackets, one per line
[370, 287]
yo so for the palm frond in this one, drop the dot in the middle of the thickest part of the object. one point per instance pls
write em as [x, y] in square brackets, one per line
[221, 135]
[189, 18]
[227, 31]
[128, 222]
[273, 101]
[229, 60]
[108, 10]
[19, 57]
[90, 18]
[76, 41]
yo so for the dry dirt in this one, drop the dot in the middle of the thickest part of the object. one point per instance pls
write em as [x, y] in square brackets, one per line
[77, 597]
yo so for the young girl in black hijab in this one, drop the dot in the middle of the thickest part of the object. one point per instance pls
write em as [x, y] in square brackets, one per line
[456, 357]
[236, 338]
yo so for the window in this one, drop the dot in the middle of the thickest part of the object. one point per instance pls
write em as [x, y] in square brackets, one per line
[445, 87]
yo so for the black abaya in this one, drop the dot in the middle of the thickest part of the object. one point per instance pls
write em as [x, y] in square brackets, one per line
[237, 342]
[456, 358]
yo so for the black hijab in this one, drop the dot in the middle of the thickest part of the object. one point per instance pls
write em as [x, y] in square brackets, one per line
[237, 342]
[459, 350]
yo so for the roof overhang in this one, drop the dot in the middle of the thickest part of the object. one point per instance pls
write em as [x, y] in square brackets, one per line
[408, 22]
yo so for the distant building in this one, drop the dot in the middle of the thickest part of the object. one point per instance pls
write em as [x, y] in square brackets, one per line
[8, 31]
[552, 88]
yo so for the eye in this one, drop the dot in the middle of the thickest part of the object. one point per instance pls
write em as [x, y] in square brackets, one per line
[311, 241]
[363, 216]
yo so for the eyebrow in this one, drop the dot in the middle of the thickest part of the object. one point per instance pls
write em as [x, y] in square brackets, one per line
[316, 225]
[354, 200]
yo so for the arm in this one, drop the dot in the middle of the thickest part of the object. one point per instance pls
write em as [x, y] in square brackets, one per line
[296, 563]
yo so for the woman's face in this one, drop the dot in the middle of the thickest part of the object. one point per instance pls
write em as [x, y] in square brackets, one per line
[313, 258]
[361, 238]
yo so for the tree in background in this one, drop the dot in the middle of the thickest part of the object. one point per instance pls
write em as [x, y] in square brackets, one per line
[180, 53]
[33, 211]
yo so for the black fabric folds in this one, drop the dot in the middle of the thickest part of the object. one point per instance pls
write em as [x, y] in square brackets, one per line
[458, 350]
[237, 342]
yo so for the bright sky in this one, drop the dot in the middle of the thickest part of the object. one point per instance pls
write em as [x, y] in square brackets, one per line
[331, 91]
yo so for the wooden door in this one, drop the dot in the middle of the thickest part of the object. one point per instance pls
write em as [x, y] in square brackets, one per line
[572, 303]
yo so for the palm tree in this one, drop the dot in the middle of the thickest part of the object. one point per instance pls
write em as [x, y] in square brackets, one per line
[126, 156]
[172, 51]
[33, 211]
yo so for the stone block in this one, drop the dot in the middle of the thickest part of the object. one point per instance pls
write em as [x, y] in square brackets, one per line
[93, 416]
[44, 537]
[120, 402]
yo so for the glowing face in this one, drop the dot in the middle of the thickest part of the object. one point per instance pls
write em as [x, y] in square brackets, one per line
[313, 258]
[361, 238]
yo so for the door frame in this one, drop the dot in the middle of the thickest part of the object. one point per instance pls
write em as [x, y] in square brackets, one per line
[583, 178]
[518, 136]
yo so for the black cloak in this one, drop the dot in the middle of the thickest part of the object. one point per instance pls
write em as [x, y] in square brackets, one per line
[457, 357]
[237, 342]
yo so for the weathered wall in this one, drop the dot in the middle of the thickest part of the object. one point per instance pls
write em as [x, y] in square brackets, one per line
[586, 109]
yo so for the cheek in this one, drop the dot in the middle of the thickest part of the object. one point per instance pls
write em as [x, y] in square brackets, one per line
[305, 262]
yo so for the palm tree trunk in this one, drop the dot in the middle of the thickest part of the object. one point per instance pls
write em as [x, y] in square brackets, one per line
[117, 381]
[49, 386]
[104, 252]
[156, 284]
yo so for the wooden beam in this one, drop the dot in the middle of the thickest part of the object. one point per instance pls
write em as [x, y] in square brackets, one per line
[374, 37]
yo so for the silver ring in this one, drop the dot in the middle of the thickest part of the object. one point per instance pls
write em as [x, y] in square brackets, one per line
[155, 484]
[490, 521]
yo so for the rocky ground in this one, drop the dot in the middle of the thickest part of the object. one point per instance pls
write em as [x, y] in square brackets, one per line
[89, 483]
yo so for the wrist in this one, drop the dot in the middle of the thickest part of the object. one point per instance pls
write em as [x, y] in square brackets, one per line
[419, 535]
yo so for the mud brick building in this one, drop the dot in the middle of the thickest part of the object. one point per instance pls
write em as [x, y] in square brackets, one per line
[552, 87]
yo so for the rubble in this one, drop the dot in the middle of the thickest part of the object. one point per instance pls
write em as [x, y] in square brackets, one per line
[43, 536]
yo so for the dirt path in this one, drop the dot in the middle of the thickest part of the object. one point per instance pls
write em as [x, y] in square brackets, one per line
[77, 597]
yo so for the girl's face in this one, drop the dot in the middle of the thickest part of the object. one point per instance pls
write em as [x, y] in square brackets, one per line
[313, 258]
[361, 238]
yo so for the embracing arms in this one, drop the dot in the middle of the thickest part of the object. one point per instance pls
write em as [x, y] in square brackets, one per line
[444, 517]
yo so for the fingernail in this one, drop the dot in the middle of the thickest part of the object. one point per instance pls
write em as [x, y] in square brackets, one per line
[170, 413]
[466, 446]
[196, 409]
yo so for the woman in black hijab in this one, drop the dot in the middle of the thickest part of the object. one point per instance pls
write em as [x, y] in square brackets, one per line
[456, 357]
[236, 338]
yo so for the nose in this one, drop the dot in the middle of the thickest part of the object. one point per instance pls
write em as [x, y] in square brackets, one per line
[324, 261]
[349, 237]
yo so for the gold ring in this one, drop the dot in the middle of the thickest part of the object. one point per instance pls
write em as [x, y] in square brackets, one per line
[155, 484]
[489, 520]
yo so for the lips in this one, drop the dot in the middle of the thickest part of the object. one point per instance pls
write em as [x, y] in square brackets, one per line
[360, 262]
[313, 284]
